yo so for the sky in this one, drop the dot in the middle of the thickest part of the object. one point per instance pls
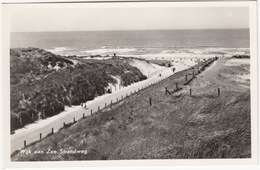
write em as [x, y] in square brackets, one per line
[83, 18]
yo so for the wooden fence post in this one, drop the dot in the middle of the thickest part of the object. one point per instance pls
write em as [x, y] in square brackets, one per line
[24, 143]
[166, 90]
[40, 136]
[190, 92]
[186, 77]
[74, 120]
[64, 124]
[193, 74]
[218, 91]
[52, 131]
[98, 108]
[150, 101]
[83, 115]
[91, 112]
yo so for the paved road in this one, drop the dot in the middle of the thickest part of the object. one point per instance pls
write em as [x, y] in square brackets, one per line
[31, 133]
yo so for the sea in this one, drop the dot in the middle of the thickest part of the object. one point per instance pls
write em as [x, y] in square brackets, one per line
[142, 43]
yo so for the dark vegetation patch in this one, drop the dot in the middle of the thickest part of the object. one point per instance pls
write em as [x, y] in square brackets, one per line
[241, 56]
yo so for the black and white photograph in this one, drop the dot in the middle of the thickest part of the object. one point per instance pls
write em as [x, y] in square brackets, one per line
[147, 81]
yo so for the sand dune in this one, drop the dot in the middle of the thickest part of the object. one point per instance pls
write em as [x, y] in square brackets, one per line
[148, 69]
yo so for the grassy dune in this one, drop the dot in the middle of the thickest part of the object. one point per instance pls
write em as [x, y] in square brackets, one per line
[42, 83]
[176, 126]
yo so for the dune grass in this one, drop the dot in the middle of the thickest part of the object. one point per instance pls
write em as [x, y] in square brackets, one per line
[176, 126]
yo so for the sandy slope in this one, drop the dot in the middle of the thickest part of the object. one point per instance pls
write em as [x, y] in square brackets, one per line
[148, 69]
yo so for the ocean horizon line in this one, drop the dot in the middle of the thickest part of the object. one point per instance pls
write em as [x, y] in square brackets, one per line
[133, 30]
